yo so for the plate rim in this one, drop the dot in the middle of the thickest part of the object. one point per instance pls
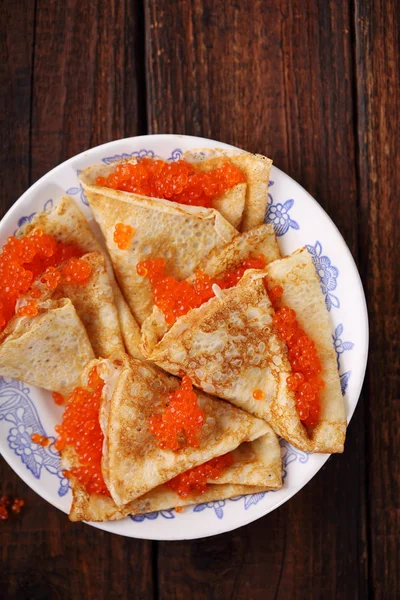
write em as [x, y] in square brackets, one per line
[220, 526]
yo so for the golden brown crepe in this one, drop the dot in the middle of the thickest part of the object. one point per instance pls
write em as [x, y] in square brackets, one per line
[67, 224]
[257, 170]
[132, 462]
[229, 347]
[49, 350]
[230, 204]
[181, 234]
[94, 303]
[261, 240]
[302, 292]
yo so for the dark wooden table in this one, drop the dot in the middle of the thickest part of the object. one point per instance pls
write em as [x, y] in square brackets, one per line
[315, 85]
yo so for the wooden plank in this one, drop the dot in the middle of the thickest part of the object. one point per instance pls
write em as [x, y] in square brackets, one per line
[16, 44]
[377, 26]
[272, 77]
[86, 90]
[89, 82]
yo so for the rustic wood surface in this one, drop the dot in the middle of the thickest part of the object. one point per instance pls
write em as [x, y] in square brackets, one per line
[313, 84]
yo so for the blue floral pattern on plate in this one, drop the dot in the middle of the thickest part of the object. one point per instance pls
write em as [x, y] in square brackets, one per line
[339, 344]
[278, 215]
[78, 191]
[143, 153]
[17, 408]
[327, 273]
[28, 218]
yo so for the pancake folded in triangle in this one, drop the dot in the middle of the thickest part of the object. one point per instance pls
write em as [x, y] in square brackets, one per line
[67, 224]
[302, 292]
[49, 350]
[230, 347]
[230, 204]
[133, 463]
[257, 169]
[257, 468]
[180, 234]
[261, 240]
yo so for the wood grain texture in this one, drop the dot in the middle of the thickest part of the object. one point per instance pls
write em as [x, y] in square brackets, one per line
[87, 89]
[88, 78]
[378, 81]
[276, 78]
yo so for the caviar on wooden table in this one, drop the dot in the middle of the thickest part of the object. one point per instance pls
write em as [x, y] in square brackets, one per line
[178, 181]
[178, 426]
[195, 480]
[24, 260]
[80, 429]
[175, 298]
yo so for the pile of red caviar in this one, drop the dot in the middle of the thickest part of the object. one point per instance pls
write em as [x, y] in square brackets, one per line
[8, 504]
[305, 362]
[80, 428]
[179, 425]
[195, 480]
[178, 181]
[123, 235]
[23, 260]
[175, 298]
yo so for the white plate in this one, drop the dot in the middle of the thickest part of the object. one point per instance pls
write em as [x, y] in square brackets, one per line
[299, 220]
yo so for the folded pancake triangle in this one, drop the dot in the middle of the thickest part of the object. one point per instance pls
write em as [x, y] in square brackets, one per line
[229, 347]
[135, 468]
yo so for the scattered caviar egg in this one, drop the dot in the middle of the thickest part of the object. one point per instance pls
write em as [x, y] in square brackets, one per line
[175, 298]
[305, 381]
[123, 235]
[258, 395]
[42, 440]
[58, 399]
[178, 181]
[24, 259]
[195, 480]
[179, 424]
[10, 504]
[80, 428]
[30, 309]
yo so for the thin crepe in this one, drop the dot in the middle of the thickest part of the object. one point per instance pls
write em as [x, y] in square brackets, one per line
[133, 463]
[94, 303]
[229, 347]
[257, 468]
[67, 224]
[183, 235]
[49, 350]
[261, 240]
[257, 169]
[302, 292]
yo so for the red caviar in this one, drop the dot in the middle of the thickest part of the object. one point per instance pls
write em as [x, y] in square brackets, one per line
[258, 395]
[58, 399]
[195, 480]
[80, 428]
[42, 440]
[76, 271]
[179, 425]
[178, 181]
[7, 504]
[123, 235]
[175, 298]
[23, 260]
[306, 365]
[30, 309]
